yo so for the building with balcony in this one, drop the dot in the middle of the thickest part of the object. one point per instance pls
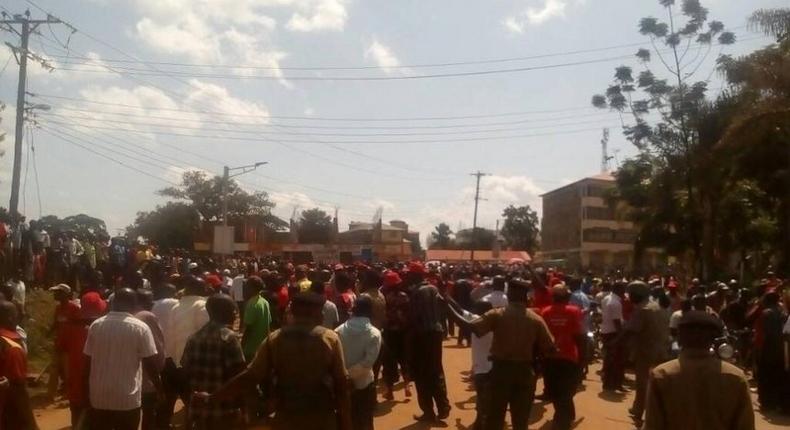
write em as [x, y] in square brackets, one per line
[580, 231]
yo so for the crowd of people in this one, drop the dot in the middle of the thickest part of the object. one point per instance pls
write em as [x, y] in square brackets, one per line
[319, 346]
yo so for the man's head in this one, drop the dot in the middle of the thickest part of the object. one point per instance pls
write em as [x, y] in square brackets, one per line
[61, 293]
[9, 315]
[560, 294]
[306, 308]
[573, 283]
[145, 299]
[638, 292]
[619, 288]
[164, 291]
[698, 329]
[125, 300]
[253, 287]
[195, 286]
[221, 309]
[699, 302]
[498, 284]
[363, 307]
[343, 281]
[370, 280]
[518, 291]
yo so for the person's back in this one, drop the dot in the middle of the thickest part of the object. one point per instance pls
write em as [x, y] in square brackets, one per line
[257, 321]
[698, 391]
[185, 319]
[651, 342]
[425, 310]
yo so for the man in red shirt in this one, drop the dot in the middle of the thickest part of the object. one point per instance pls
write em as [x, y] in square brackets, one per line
[15, 410]
[67, 313]
[561, 371]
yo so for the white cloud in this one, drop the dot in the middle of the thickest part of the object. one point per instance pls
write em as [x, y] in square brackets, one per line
[318, 15]
[383, 57]
[537, 15]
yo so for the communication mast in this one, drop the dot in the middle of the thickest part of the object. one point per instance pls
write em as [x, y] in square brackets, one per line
[605, 151]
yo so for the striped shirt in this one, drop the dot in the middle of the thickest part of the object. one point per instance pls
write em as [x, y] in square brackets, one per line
[117, 343]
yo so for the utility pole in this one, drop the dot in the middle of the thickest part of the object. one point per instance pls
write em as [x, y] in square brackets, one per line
[21, 53]
[478, 175]
[605, 151]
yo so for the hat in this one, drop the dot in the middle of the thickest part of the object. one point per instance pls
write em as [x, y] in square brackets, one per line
[92, 306]
[391, 279]
[416, 267]
[192, 265]
[61, 287]
[226, 272]
[338, 267]
[700, 319]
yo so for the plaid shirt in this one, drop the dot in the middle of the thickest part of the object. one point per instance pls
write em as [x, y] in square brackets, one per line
[212, 356]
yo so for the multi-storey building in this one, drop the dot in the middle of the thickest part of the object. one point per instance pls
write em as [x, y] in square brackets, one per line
[580, 229]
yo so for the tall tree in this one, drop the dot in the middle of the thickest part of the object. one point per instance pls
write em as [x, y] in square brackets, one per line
[520, 229]
[673, 139]
[315, 226]
[482, 238]
[442, 237]
[170, 226]
[205, 195]
[81, 224]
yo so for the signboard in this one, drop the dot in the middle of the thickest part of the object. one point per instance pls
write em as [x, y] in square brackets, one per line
[223, 239]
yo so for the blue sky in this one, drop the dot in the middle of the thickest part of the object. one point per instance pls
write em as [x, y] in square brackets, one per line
[163, 118]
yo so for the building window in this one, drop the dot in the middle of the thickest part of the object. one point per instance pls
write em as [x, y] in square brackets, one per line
[598, 234]
[598, 213]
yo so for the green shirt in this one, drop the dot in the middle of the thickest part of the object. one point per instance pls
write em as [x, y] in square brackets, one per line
[257, 320]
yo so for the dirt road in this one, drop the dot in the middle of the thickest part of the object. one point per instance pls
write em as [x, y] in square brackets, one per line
[594, 409]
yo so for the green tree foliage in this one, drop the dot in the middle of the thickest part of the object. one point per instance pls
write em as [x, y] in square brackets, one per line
[520, 229]
[170, 226]
[315, 226]
[442, 237]
[83, 225]
[681, 44]
[205, 195]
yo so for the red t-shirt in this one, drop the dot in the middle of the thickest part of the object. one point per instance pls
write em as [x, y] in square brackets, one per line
[72, 346]
[13, 365]
[565, 324]
[65, 315]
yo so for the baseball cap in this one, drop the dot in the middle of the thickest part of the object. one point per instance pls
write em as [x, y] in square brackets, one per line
[61, 287]
[416, 267]
[391, 279]
[92, 306]
[192, 265]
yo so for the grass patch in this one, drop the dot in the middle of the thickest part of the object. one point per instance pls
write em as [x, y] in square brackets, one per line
[40, 310]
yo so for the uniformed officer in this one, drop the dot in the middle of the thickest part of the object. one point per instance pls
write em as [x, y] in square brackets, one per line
[519, 335]
[305, 362]
[698, 391]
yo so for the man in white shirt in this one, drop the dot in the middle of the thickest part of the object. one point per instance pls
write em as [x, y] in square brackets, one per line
[611, 327]
[187, 317]
[118, 348]
[236, 292]
[497, 297]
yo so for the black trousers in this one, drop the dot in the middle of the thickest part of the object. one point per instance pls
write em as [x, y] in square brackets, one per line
[99, 419]
[363, 404]
[561, 378]
[512, 384]
[148, 411]
[394, 355]
[176, 386]
[770, 379]
[482, 391]
[428, 372]
[613, 362]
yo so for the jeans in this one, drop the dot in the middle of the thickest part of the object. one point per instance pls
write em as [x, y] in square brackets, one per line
[148, 411]
[395, 355]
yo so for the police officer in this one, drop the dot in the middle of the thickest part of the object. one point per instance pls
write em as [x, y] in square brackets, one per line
[306, 361]
[698, 390]
[519, 335]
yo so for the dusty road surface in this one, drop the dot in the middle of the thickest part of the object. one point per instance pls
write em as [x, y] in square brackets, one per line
[594, 409]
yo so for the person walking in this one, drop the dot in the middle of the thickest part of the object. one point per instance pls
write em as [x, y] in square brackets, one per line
[519, 336]
[426, 338]
[212, 356]
[257, 317]
[396, 327]
[118, 349]
[361, 345]
[185, 319]
[145, 302]
[305, 362]
[698, 391]
[613, 371]
[771, 354]
[561, 370]
[648, 332]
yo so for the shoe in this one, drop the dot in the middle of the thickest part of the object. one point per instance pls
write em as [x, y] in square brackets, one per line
[425, 418]
[444, 414]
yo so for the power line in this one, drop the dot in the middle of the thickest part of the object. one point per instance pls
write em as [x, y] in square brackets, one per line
[368, 142]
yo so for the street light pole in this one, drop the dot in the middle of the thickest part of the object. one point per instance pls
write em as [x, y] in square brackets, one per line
[226, 176]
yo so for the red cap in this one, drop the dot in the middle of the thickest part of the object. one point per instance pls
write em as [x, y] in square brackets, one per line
[92, 306]
[416, 267]
[391, 279]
